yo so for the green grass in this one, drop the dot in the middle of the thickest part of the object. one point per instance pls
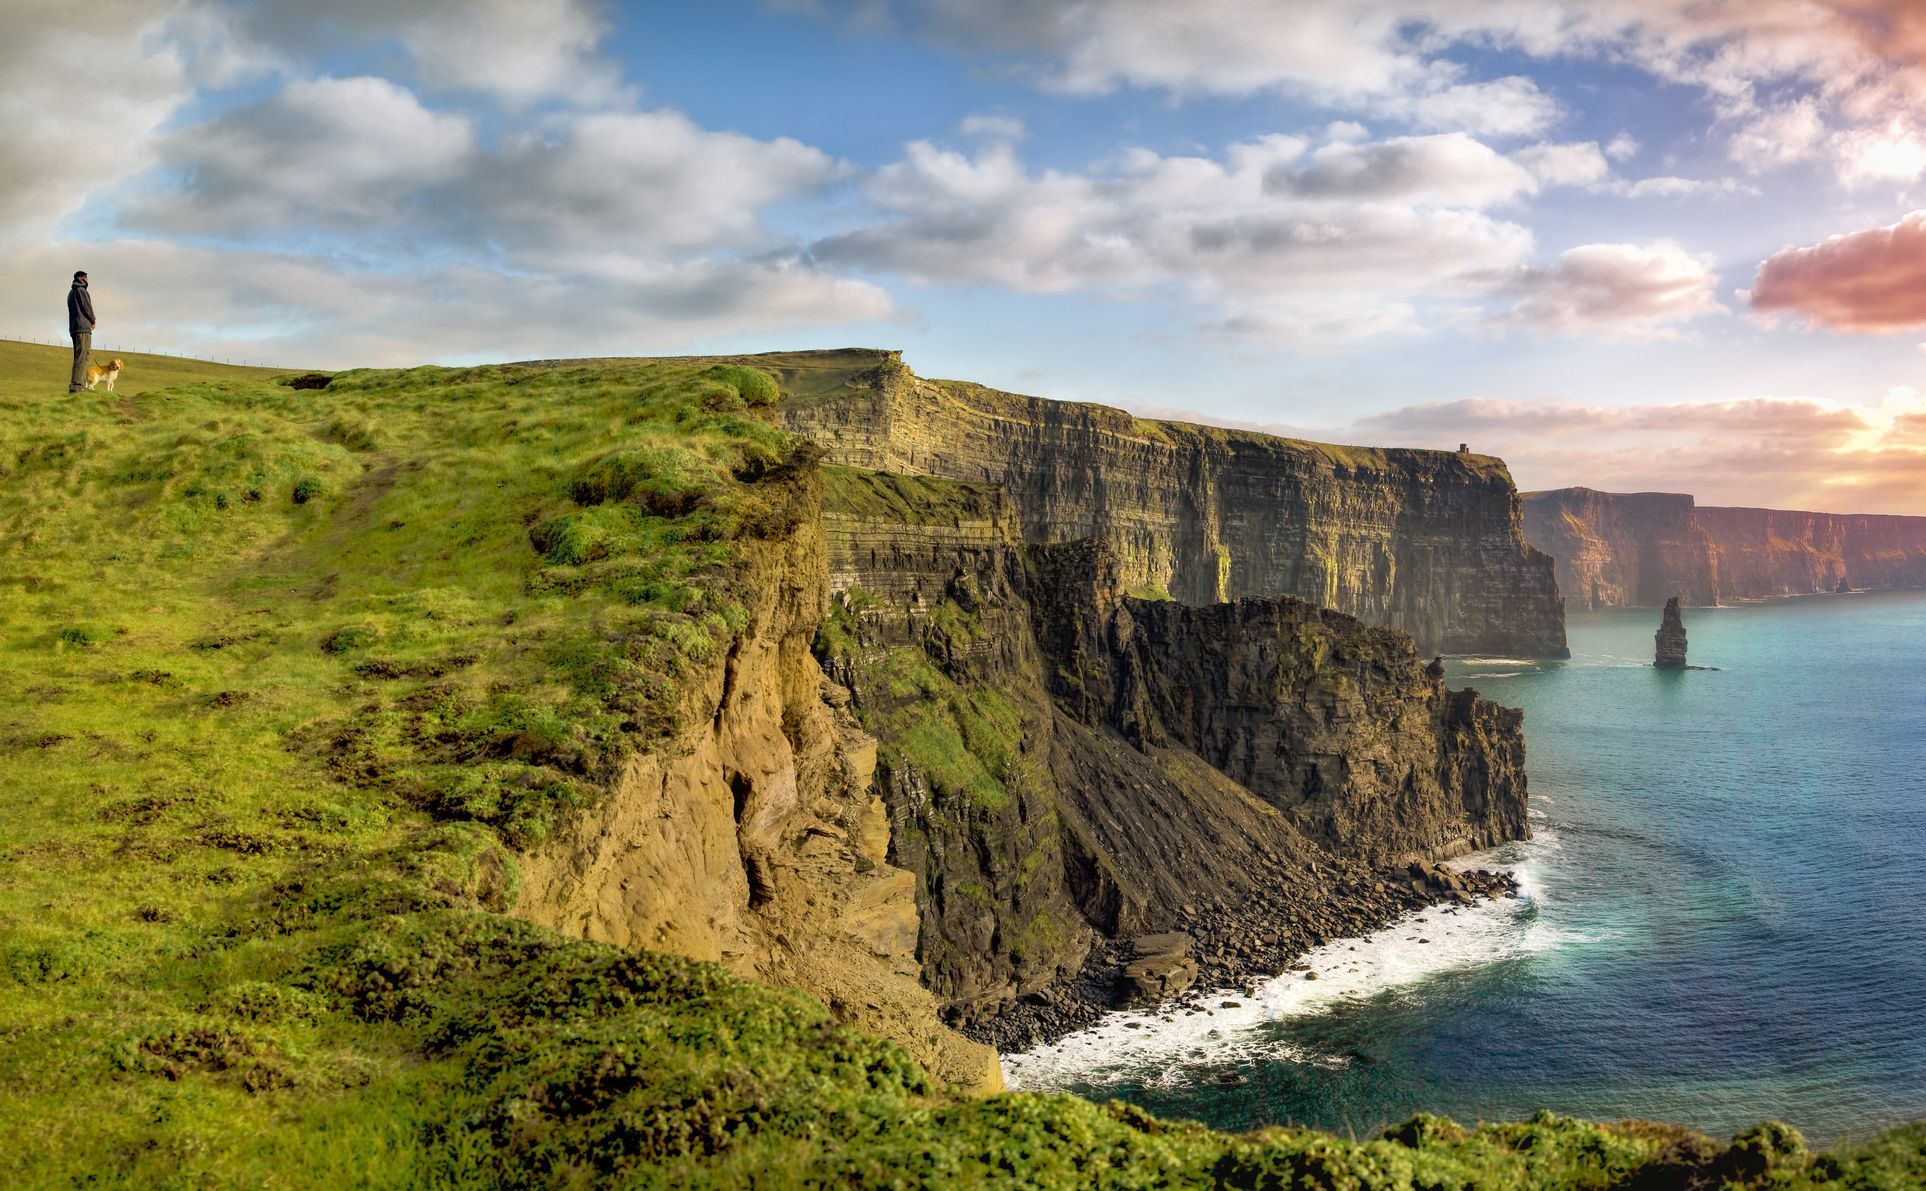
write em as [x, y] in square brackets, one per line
[29, 371]
[963, 737]
[287, 677]
[907, 499]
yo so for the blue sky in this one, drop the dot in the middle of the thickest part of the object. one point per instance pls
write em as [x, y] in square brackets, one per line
[1624, 243]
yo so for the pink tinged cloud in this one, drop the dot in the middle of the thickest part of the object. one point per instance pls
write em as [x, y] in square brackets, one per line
[1869, 282]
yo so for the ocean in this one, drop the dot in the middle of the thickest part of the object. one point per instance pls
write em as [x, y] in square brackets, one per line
[1723, 916]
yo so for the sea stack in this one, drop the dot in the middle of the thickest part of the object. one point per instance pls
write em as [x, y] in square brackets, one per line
[1671, 638]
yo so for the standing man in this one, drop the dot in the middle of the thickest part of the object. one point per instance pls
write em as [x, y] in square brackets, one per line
[80, 325]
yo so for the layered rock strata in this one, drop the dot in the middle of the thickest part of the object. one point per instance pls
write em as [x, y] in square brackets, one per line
[1067, 766]
[1430, 542]
[1623, 548]
[1632, 549]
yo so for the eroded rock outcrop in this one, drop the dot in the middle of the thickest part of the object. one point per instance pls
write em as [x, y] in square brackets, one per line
[1631, 549]
[1427, 541]
[755, 837]
[1670, 638]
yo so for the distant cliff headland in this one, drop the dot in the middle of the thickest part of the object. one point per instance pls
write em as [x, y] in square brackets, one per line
[1639, 548]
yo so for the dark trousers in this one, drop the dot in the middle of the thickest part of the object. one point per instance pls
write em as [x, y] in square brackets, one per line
[83, 354]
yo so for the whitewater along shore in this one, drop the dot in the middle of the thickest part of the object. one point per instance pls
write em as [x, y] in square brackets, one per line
[1216, 946]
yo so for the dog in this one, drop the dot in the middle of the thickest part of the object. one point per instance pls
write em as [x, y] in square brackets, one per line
[96, 374]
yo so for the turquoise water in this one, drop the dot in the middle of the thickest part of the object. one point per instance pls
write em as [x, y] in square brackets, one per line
[1725, 916]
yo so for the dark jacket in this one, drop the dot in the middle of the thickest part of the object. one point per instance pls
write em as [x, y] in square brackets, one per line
[80, 310]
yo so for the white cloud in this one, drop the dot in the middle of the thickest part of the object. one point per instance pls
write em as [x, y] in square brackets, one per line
[363, 158]
[1668, 186]
[1339, 52]
[1854, 63]
[1623, 147]
[1450, 169]
[613, 185]
[1778, 136]
[320, 153]
[518, 51]
[67, 135]
[1508, 107]
[1581, 164]
[1621, 290]
[1895, 153]
[1277, 239]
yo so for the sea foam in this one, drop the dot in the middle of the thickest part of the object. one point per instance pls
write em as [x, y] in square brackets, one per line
[1196, 1042]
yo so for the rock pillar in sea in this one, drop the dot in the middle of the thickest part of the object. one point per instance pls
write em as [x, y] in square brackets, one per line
[1671, 638]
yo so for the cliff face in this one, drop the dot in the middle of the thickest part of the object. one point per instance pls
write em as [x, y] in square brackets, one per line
[1425, 541]
[1335, 723]
[1772, 552]
[754, 838]
[1638, 548]
[1065, 763]
[1623, 548]
[941, 756]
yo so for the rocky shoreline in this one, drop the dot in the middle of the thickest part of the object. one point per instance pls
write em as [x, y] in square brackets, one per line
[1217, 945]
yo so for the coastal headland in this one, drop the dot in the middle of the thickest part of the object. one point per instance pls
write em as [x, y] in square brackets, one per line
[673, 771]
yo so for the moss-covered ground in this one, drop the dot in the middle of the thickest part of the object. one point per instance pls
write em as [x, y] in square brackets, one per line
[286, 678]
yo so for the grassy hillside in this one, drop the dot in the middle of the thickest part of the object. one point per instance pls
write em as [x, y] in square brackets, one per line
[286, 678]
[29, 370]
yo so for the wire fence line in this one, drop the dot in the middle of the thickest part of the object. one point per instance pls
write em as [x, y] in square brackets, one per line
[141, 351]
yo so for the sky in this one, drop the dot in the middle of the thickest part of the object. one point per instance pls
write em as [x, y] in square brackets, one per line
[1668, 245]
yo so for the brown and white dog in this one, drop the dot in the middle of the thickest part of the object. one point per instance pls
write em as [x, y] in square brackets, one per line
[96, 374]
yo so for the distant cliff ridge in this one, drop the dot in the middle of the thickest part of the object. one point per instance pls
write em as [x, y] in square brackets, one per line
[1431, 542]
[1637, 548]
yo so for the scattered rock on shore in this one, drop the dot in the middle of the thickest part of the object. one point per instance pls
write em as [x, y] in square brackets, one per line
[1221, 946]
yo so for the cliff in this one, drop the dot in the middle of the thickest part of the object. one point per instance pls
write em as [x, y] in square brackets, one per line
[1775, 552]
[752, 837]
[1426, 541]
[1614, 549]
[1066, 764]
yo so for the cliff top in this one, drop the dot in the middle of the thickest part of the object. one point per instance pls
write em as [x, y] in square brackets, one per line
[1579, 493]
[811, 376]
[1333, 455]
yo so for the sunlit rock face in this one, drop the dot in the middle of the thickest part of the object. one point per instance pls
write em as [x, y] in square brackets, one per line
[1623, 548]
[1616, 549]
[1431, 542]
